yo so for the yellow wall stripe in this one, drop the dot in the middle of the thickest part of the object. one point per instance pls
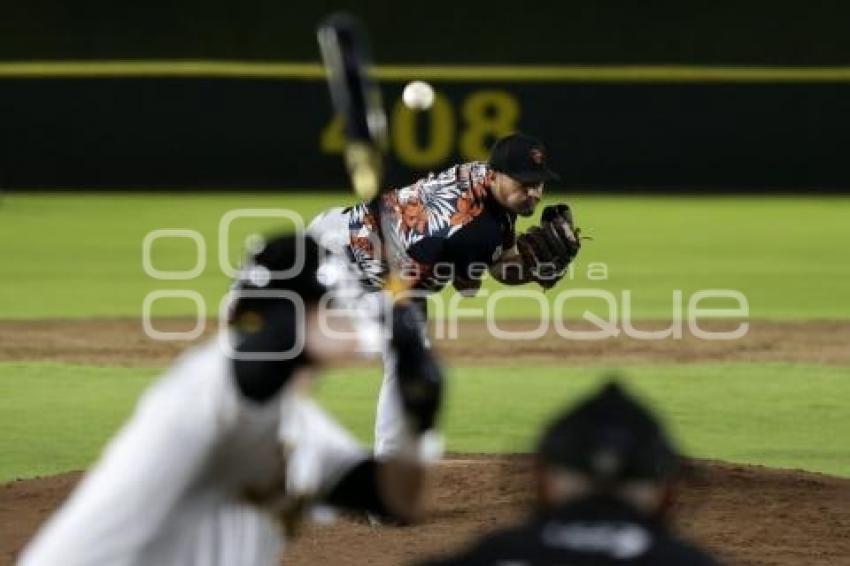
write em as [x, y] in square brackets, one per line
[453, 73]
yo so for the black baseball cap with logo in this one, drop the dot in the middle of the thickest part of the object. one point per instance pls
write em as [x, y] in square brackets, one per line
[523, 158]
[610, 437]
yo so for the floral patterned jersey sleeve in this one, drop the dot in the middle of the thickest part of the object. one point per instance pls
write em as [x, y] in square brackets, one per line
[424, 216]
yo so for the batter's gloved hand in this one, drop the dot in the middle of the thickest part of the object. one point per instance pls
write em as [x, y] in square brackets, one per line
[547, 250]
[420, 376]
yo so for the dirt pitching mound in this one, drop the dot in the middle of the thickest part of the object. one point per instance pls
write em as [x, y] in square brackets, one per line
[746, 514]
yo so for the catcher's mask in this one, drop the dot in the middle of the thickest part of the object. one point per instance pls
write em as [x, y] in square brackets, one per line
[610, 438]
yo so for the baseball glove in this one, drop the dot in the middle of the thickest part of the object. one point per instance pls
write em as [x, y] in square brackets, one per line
[547, 250]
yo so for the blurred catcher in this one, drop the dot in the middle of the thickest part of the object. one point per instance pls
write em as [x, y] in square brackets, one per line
[453, 227]
[227, 453]
[604, 481]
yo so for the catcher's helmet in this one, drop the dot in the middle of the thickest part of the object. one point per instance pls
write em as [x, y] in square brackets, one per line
[610, 437]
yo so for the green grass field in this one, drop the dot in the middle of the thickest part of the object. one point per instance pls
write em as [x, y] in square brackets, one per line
[80, 256]
[56, 417]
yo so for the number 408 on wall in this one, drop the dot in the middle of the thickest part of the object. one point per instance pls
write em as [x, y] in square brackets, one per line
[483, 117]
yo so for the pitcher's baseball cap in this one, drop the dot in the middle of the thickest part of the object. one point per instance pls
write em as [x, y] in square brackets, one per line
[610, 437]
[521, 157]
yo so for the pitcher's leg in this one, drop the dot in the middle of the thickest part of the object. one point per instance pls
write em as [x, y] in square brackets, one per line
[389, 420]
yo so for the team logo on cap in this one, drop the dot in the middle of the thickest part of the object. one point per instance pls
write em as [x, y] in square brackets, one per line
[536, 155]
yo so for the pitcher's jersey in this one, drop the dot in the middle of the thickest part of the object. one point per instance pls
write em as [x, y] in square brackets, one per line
[448, 225]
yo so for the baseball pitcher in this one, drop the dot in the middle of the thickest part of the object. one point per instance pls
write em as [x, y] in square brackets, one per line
[452, 228]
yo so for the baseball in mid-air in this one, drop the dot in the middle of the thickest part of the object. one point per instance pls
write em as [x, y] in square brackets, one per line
[418, 95]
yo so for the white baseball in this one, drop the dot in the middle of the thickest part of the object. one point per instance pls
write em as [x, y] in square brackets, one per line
[418, 95]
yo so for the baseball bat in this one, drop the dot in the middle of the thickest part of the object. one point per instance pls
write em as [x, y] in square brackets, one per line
[356, 97]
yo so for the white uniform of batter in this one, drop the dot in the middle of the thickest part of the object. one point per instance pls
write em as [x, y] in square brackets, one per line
[198, 475]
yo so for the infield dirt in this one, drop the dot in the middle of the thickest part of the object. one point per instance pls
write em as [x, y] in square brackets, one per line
[122, 342]
[747, 514]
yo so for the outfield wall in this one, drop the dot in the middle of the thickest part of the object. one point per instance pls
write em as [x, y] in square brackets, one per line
[576, 32]
[659, 95]
[162, 124]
